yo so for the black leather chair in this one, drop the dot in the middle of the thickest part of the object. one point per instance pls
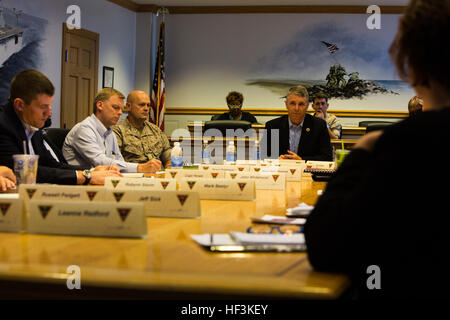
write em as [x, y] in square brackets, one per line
[377, 126]
[57, 136]
[223, 125]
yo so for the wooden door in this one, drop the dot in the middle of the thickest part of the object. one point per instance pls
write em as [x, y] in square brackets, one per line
[79, 76]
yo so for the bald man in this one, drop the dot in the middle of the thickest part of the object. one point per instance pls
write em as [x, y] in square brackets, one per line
[139, 140]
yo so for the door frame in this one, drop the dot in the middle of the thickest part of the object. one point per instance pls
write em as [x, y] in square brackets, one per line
[86, 34]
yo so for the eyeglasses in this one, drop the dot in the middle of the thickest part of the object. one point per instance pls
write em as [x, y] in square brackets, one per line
[235, 106]
[283, 229]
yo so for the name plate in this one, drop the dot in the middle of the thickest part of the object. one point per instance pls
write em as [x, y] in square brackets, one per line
[170, 204]
[320, 165]
[293, 173]
[84, 218]
[11, 213]
[284, 162]
[60, 192]
[226, 189]
[145, 183]
[225, 167]
[193, 174]
[263, 180]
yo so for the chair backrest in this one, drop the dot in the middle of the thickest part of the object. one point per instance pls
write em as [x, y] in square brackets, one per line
[223, 125]
[366, 123]
[57, 136]
[377, 126]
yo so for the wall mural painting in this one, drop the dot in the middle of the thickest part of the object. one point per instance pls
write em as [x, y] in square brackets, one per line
[21, 36]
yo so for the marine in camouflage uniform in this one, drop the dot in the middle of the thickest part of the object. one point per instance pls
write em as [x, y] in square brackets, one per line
[139, 140]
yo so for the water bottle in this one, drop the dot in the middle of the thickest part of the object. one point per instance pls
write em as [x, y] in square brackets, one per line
[206, 154]
[231, 152]
[176, 156]
[256, 155]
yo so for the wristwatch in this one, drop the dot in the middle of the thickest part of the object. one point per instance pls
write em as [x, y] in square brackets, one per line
[87, 175]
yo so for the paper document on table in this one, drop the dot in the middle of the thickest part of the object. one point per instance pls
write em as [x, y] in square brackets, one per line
[278, 220]
[267, 238]
[209, 239]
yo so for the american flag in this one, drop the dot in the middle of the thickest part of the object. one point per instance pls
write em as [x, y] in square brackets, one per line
[331, 47]
[159, 84]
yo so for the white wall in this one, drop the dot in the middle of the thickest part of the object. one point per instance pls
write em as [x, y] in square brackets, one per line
[117, 29]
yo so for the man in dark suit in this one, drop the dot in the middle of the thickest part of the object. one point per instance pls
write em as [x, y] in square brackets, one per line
[27, 110]
[297, 136]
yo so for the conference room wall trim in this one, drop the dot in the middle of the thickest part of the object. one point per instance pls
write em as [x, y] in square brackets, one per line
[279, 112]
[253, 9]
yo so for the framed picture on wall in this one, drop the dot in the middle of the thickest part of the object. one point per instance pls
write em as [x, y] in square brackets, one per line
[108, 77]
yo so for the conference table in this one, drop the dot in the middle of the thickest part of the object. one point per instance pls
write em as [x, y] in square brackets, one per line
[168, 264]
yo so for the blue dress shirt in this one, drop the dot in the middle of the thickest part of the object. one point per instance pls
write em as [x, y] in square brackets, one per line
[295, 133]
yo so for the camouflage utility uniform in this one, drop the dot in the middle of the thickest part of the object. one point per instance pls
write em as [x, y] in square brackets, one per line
[137, 145]
[334, 124]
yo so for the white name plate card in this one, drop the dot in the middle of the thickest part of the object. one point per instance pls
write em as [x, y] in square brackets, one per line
[11, 213]
[293, 173]
[85, 218]
[320, 165]
[248, 162]
[29, 192]
[263, 180]
[284, 162]
[225, 189]
[170, 204]
[112, 183]
[193, 174]
[224, 167]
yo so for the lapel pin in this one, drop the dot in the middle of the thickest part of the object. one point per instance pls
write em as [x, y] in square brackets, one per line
[308, 129]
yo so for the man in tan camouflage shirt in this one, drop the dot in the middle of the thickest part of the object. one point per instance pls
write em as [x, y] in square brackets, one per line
[320, 106]
[139, 140]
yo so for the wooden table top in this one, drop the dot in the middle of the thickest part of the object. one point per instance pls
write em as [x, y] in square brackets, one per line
[169, 261]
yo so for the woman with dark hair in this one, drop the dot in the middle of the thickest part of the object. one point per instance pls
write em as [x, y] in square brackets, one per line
[383, 218]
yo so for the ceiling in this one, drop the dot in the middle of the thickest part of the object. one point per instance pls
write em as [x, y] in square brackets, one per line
[270, 2]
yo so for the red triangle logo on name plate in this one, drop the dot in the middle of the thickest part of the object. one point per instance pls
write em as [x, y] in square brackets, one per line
[118, 195]
[164, 184]
[275, 177]
[242, 185]
[30, 192]
[292, 171]
[191, 184]
[257, 169]
[233, 175]
[173, 174]
[4, 207]
[214, 174]
[115, 182]
[182, 198]
[240, 168]
[123, 213]
[44, 210]
[205, 168]
[91, 194]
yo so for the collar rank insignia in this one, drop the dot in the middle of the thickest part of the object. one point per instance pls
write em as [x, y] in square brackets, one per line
[45, 210]
[118, 195]
[31, 192]
[242, 185]
[182, 198]
[4, 207]
[123, 213]
[91, 194]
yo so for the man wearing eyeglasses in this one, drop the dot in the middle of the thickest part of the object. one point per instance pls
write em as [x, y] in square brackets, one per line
[139, 140]
[234, 102]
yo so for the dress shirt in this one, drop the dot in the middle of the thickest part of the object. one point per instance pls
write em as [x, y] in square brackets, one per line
[295, 133]
[29, 132]
[90, 143]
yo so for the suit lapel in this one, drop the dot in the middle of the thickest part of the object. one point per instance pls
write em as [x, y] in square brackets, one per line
[284, 136]
[306, 133]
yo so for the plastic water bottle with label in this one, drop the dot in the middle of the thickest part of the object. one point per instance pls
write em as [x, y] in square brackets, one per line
[206, 154]
[231, 152]
[256, 154]
[177, 156]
